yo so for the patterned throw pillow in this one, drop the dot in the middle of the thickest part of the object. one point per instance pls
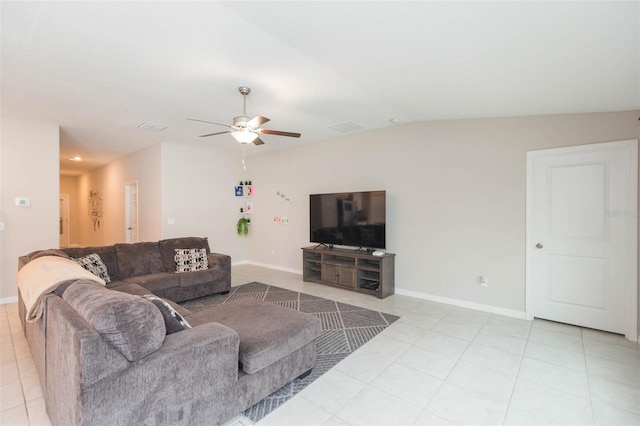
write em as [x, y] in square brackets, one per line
[188, 260]
[173, 321]
[94, 264]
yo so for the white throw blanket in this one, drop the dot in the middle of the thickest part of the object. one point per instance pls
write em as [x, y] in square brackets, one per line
[43, 275]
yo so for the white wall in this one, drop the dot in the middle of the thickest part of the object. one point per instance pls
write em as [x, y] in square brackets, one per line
[198, 194]
[455, 196]
[29, 167]
[110, 180]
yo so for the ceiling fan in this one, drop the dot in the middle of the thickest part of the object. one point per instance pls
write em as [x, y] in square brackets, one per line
[246, 129]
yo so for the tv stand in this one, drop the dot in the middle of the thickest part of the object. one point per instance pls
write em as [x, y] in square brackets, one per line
[349, 269]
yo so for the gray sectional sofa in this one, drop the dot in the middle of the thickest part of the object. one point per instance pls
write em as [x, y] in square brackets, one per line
[112, 355]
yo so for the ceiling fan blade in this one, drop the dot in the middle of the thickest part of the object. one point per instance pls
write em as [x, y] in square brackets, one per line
[257, 121]
[258, 141]
[209, 122]
[217, 133]
[279, 133]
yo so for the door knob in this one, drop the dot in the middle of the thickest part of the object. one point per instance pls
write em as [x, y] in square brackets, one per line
[539, 246]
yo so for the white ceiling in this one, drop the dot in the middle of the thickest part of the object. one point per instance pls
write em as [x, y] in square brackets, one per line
[99, 69]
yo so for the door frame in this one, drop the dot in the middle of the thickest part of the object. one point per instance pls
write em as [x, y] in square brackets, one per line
[128, 209]
[66, 226]
[631, 285]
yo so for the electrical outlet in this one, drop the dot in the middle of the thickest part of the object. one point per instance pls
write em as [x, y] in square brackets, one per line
[484, 281]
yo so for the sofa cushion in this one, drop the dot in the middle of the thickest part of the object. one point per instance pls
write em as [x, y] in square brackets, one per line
[168, 247]
[173, 321]
[130, 324]
[107, 255]
[188, 279]
[138, 259]
[155, 282]
[267, 332]
[189, 260]
[93, 264]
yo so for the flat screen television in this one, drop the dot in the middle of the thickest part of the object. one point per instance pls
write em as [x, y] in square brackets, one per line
[348, 219]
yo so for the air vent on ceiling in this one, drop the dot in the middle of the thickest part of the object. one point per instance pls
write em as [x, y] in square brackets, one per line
[152, 126]
[346, 127]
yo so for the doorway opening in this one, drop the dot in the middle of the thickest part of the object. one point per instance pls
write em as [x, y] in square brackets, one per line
[131, 212]
[64, 220]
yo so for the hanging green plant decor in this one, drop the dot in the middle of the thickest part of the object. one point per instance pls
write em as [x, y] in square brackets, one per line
[243, 226]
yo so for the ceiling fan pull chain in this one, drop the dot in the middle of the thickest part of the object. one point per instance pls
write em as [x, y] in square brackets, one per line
[244, 165]
[244, 104]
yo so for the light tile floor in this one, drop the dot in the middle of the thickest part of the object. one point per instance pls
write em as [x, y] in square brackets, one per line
[437, 365]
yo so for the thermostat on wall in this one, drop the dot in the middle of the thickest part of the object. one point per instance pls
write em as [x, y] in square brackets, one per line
[23, 202]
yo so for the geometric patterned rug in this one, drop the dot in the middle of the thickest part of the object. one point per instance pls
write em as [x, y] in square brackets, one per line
[344, 329]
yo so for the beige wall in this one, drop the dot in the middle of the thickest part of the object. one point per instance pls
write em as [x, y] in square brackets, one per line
[29, 168]
[197, 193]
[69, 186]
[110, 180]
[455, 196]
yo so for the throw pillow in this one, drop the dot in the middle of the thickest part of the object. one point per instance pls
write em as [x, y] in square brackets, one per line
[188, 260]
[173, 321]
[94, 264]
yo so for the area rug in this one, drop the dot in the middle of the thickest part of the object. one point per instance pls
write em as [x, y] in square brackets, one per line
[344, 329]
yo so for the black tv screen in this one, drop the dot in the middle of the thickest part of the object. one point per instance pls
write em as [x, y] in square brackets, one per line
[348, 219]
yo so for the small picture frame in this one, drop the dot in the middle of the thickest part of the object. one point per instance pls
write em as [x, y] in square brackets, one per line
[249, 208]
[239, 191]
[249, 191]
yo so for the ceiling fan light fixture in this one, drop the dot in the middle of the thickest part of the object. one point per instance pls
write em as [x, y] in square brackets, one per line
[244, 136]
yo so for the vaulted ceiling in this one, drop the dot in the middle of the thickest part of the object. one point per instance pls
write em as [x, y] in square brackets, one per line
[99, 69]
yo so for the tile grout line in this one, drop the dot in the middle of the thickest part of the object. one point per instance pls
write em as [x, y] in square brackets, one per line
[15, 357]
[524, 350]
[586, 373]
[445, 378]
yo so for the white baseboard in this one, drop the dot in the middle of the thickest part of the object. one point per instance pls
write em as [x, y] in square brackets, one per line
[267, 265]
[276, 267]
[462, 303]
[8, 300]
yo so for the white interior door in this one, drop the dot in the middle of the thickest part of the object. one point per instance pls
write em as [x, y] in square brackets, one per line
[582, 236]
[64, 220]
[131, 212]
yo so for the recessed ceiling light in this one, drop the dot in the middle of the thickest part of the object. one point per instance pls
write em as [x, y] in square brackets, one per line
[76, 158]
[395, 120]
